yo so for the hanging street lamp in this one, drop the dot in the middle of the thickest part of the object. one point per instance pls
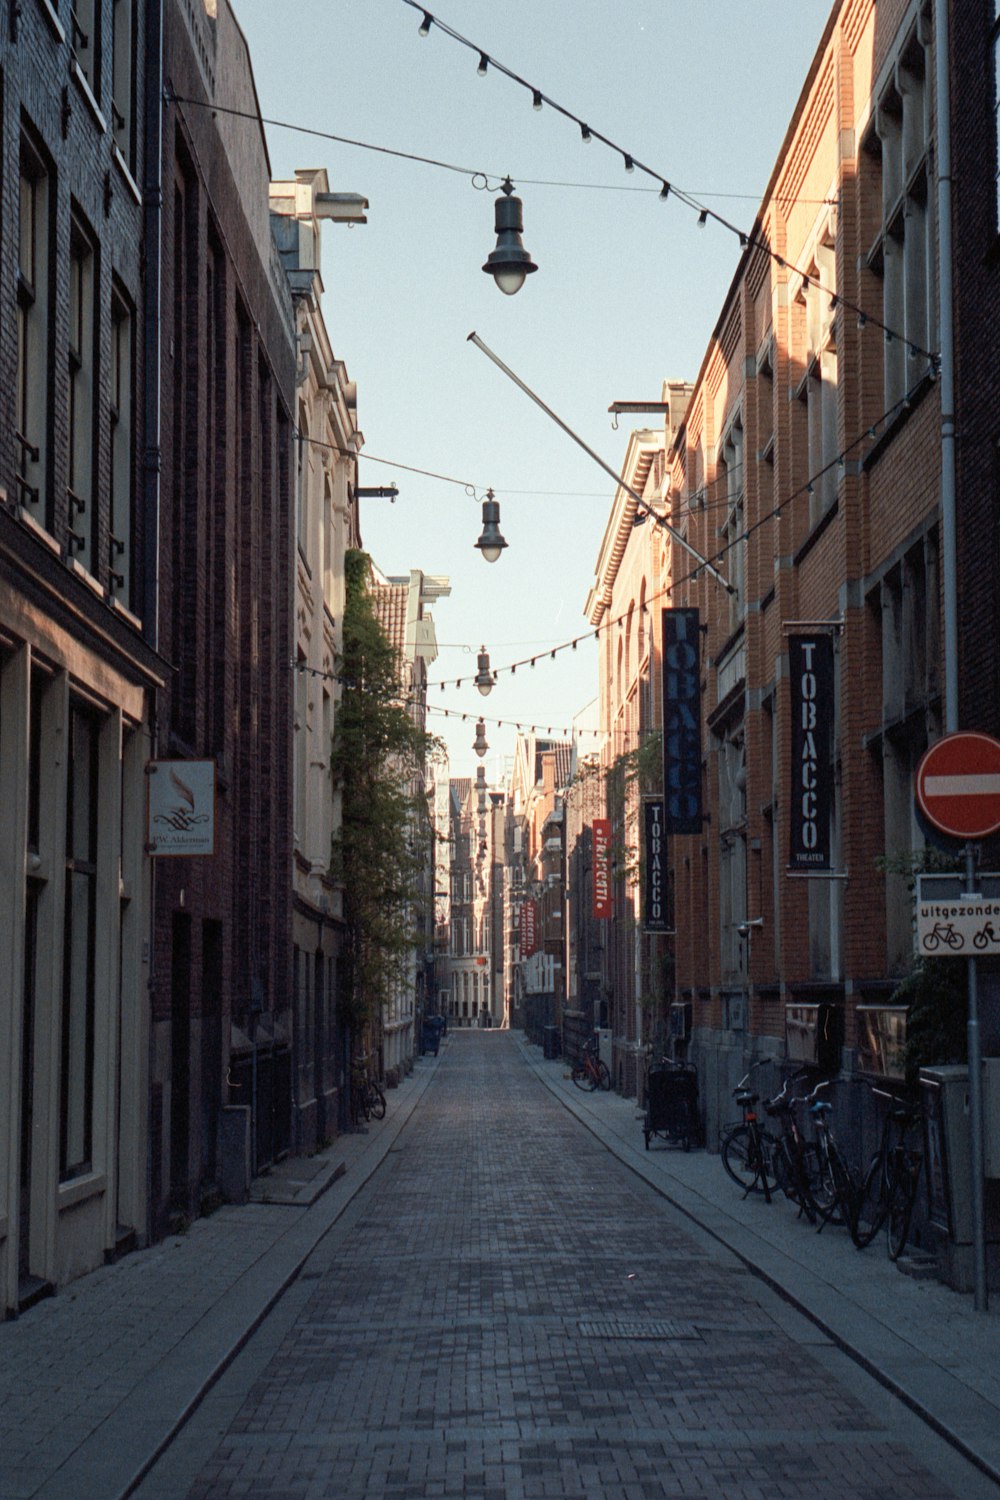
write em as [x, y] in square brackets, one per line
[491, 542]
[509, 263]
[484, 677]
[479, 743]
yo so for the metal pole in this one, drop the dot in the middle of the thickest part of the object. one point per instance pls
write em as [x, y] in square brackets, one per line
[976, 1113]
[681, 541]
[946, 340]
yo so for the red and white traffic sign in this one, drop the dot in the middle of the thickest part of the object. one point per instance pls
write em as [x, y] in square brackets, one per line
[958, 785]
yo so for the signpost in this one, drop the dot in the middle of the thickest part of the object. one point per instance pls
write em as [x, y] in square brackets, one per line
[958, 792]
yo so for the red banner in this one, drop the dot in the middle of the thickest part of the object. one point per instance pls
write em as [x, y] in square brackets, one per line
[529, 928]
[602, 868]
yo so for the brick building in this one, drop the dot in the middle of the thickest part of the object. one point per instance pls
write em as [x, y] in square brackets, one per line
[808, 467]
[222, 984]
[535, 854]
[327, 441]
[78, 669]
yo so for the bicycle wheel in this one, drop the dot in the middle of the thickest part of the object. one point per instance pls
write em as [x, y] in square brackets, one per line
[376, 1102]
[873, 1204]
[822, 1185]
[744, 1160]
[904, 1196]
[837, 1197]
[582, 1077]
[603, 1077]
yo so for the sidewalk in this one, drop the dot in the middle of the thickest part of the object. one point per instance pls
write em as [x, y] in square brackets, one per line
[95, 1381]
[922, 1341]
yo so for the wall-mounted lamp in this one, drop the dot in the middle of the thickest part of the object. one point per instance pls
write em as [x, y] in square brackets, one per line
[746, 928]
[509, 263]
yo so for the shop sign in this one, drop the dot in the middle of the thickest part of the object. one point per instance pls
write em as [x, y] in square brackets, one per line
[810, 668]
[529, 928]
[181, 808]
[681, 721]
[602, 904]
[654, 867]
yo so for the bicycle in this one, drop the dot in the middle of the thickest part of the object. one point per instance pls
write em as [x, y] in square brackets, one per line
[589, 1072]
[892, 1180]
[747, 1151]
[796, 1160]
[368, 1099]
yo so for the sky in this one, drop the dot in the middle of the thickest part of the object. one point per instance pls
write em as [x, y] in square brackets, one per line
[626, 295]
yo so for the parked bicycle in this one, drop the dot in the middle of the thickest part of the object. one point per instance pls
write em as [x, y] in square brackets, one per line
[748, 1151]
[589, 1072]
[892, 1181]
[796, 1160]
[367, 1099]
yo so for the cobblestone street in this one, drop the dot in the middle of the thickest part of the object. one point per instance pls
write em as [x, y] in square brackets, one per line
[506, 1312]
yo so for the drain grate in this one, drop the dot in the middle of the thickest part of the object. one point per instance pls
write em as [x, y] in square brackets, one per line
[611, 1328]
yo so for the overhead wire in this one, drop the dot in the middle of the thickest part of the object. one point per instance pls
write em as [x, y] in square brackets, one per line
[668, 189]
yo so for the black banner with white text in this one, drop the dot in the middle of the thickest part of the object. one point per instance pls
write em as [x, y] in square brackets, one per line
[681, 721]
[810, 670]
[654, 867]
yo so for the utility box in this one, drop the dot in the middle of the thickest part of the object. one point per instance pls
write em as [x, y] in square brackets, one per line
[945, 1093]
[604, 1045]
[234, 1152]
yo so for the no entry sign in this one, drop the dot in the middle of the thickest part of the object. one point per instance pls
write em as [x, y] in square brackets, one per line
[958, 785]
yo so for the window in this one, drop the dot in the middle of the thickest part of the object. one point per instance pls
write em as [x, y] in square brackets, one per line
[818, 390]
[121, 421]
[123, 78]
[77, 1073]
[33, 385]
[732, 852]
[85, 26]
[905, 604]
[80, 522]
[903, 251]
[730, 473]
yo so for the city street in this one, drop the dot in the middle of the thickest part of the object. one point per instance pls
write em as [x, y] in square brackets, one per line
[506, 1310]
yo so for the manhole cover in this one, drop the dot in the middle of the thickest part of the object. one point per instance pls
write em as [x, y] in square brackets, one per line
[622, 1329]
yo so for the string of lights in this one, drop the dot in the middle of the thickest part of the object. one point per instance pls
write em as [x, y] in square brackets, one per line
[667, 189]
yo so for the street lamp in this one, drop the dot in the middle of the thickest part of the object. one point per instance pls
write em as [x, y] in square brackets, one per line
[479, 743]
[484, 677]
[491, 542]
[509, 263]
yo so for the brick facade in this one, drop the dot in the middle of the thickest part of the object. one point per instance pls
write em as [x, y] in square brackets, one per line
[222, 995]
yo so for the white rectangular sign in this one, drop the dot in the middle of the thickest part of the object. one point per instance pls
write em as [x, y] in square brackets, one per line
[181, 807]
[957, 926]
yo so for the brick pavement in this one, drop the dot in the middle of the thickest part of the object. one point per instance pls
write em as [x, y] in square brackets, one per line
[498, 1346]
[508, 1312]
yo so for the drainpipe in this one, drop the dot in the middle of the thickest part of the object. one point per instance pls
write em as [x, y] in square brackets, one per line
[946, 333]
[949, 564]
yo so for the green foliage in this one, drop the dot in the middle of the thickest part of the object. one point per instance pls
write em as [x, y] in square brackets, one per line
[380, 850]
[936, 994]
[935, 991]
[636, 773]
